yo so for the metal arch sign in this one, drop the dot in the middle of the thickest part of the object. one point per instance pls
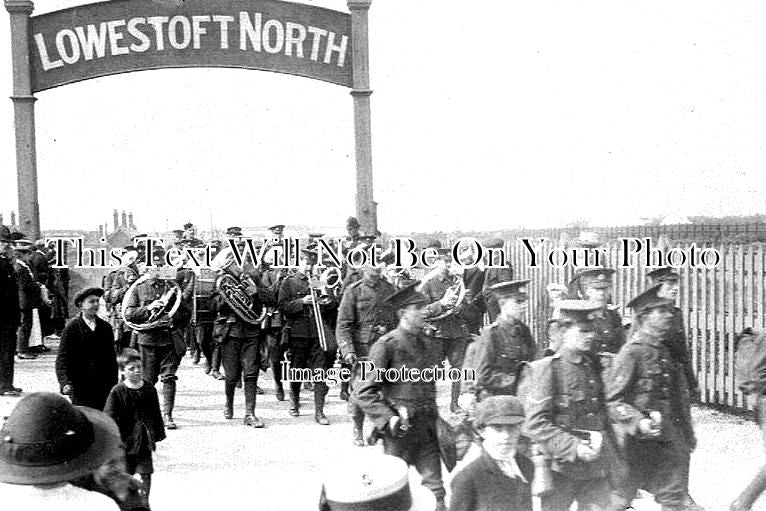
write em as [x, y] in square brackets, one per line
[95, 40]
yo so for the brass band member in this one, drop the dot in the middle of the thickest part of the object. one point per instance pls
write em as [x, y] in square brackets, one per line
[124, 278]
[296, 301]
[450, 332]
[185, 278]
[271, 280]
[161, 347]
[472, 311]
[362, 319]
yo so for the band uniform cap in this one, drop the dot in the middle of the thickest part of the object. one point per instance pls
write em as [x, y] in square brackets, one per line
[599, 278]
[47, 440]
[662, 274]
[234, 231]
[16, 236]
[494, 243]
[5, 234]
[277, 227]
[23, 244]
[510, 288]
[648, 300]
[499, 410]
[372, 482]
[577, 311]
[85, 293]
[408, 295]
[188, 225]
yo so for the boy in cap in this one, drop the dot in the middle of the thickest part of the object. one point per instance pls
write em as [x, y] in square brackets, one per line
[651, 409]
[505, 344]
[85, 363]
[566, 414]
[405, 413]
[498, 480]
[9, 314]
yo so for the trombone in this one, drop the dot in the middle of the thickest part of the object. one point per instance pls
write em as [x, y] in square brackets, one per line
[326, 284]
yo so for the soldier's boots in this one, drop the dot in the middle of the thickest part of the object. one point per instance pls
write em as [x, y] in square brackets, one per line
[276, 372]
[253, 422]
[250, 392]
[168, 403]
[344, 395]
[358, 420]
[454, 396]
[691, 505]
[320, 391]
[295, 398]
[751, 493]
[440, 505]
[280, 393]
[228, 408]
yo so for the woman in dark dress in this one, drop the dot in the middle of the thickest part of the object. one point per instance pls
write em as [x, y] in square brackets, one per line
[86, 365]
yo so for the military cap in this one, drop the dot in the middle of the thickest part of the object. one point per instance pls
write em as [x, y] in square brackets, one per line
[277, 227]
[499, 410]
[494, 243]
[178, 232]
[315, 235]
[577, 311]
[408, 295]
[85, 293]
[648, 300]
[234, 232]
[15, 236]
[599, 278]
[365, 481]
[352, 222]
[188, 225]
[662, 274]
[434, 244]
[5, 234]
[24, 244]
[510, 288]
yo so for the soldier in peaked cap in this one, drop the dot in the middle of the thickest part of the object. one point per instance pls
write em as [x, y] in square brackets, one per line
[668, 280]
[504, 345]
[404, 411]
[278, 230]
[649, 403]
[494, 276]
[595, 284]
[566, 415]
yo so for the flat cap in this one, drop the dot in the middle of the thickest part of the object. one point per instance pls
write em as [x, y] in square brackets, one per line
[499, 410]
[85, 293]
[648, 300]
[577, 311]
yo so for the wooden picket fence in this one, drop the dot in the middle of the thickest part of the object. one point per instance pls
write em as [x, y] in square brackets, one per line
[718, 303]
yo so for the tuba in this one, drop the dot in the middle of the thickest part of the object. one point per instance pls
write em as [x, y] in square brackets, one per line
[232, 285]
[162, 317]
[457, 289]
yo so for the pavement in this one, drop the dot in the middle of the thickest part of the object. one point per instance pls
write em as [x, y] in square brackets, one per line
[210, 463]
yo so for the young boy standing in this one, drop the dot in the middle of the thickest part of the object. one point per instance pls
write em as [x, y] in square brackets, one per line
[135, 407]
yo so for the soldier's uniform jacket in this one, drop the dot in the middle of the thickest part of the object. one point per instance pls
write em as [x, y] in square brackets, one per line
[185, 280]
[473, 306]
[137, 311]
[271, 279]
[363, 317]
[497, 363]
[679, 347]
[300, 316]
[646, 378]
[610, 334]
[564, 393]
[124, 279]
[451, 327]
[229, 324]
[9, 294]
[380, 399]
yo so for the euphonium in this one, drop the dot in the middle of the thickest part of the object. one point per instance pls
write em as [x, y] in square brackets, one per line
[162, 317]
[233, 284]
[457, 289]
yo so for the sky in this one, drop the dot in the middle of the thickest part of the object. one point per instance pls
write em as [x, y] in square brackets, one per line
[485, 116]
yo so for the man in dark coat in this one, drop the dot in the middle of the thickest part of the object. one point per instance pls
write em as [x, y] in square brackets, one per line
[498, 480]
[404, 411]
[648, 399]
[29, 296]
[86, 365]
[495, 275]
[9, 314]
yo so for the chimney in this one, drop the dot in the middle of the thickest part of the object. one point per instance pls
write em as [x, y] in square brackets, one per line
[124, 220]
[130, 222]
[116, 223]
[100, 231]
[13, 218]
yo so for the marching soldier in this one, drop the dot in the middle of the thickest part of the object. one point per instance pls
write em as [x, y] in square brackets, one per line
[185, 279]
[123, 280]
[450, 332]
[473, 308]
[271, 280]
[404, 413]
[566, 415]
[494, 276]
[240, 352]
[649, 403]
[506, 344]
[668, 279]
[296, 301]
[362, 319]
[595, 284]
[161, 347]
